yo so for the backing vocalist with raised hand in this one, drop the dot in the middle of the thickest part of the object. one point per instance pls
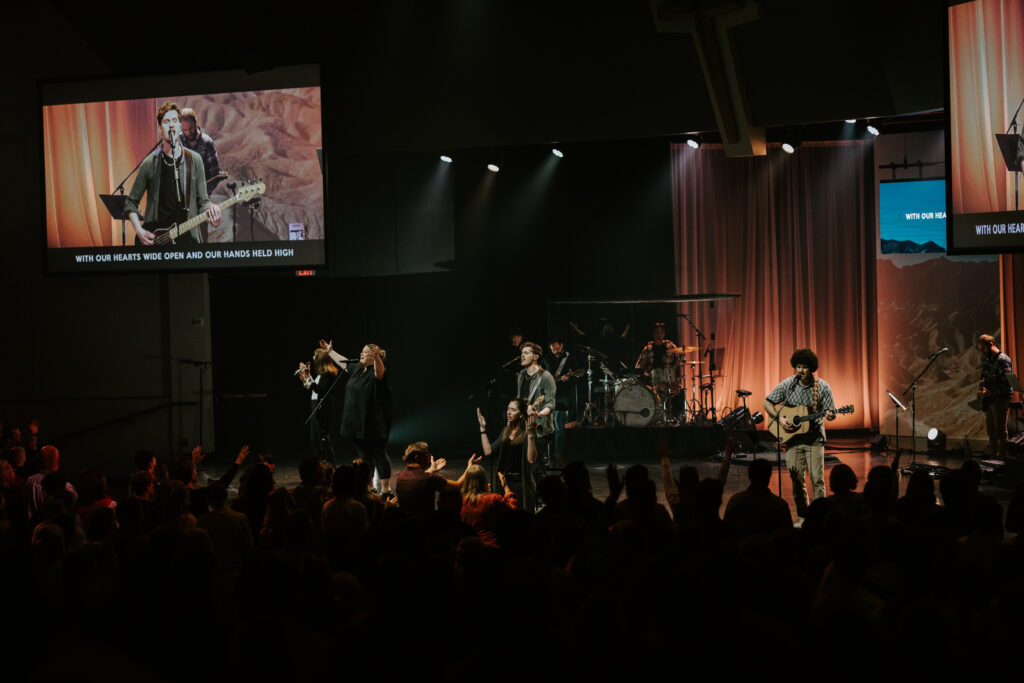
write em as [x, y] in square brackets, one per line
[319, 379]
[174, 182]
[369, 409]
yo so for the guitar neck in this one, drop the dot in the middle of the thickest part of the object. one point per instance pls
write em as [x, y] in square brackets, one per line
[180, 229]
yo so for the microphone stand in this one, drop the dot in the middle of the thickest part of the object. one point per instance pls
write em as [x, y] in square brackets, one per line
[120, 189]
[912, 390]
[234, 214]
[1016, 171]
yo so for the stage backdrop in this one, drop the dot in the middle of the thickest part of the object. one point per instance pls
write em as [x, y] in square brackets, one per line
[794, 236]
[927, 302]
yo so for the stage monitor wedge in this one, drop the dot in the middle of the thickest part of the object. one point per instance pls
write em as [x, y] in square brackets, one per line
[174, 151]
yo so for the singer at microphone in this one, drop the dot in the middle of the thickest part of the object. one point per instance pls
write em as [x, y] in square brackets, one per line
[174, 182]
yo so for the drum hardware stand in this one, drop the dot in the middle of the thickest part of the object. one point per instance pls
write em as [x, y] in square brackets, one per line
[609, 394]
[701, 341]
[589, 416]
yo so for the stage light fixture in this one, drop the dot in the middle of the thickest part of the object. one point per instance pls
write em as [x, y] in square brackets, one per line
[936, 442]
[851, 120]
[493, 168]
[791, 140]
[557, 153]
[873, 130]
[693, 141]
[446, 159]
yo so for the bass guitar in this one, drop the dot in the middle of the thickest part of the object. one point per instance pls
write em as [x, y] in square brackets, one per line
[168, 231]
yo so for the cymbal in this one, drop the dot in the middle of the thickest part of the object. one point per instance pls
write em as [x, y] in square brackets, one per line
[591, 351]
[681, 350]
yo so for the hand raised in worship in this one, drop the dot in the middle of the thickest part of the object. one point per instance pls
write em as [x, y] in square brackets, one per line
[531, 425]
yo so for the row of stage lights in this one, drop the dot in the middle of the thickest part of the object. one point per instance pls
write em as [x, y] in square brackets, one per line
[790, 141]
[493, 168]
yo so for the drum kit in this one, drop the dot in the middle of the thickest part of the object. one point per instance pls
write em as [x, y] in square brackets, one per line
[628, 398]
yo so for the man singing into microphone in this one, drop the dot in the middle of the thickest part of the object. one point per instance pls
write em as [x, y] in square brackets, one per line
[174, 182]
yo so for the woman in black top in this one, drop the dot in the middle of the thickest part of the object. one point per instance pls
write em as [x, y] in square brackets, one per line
[515, 450]
[318, 379]
[368, 410]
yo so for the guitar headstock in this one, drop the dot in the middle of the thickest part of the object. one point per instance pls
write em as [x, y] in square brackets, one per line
[848, 408]
[248, 192]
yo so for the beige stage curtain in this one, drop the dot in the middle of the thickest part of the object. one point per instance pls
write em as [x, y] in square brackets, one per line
[89, 148]
[794, 236]
[986, 62]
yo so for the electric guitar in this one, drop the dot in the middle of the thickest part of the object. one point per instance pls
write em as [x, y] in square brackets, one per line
[545, 423]
[801, 419]
[169, 230]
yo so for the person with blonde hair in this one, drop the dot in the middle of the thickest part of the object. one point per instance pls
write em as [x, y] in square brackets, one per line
[481, 508]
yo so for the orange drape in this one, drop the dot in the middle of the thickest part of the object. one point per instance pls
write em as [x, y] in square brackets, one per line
[88, 149]
[986, 61]
[794, 236]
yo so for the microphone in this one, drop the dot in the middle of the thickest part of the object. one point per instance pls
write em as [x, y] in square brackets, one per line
[941, 351]
[302, 366]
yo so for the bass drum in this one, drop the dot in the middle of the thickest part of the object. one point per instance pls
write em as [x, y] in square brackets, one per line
[635, 406]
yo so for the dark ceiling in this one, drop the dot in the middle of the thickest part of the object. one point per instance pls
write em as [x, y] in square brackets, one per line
[470, 73]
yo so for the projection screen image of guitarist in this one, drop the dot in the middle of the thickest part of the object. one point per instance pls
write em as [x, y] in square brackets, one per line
[249, 156]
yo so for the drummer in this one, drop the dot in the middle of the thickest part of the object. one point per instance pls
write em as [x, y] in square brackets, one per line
[660, 359]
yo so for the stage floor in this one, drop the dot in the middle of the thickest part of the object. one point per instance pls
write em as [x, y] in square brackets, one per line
[853, 452]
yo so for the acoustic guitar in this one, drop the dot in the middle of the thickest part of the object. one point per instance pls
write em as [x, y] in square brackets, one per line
[801, 418]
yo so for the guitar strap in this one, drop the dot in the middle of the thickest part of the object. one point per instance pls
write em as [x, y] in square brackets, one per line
[536, 384]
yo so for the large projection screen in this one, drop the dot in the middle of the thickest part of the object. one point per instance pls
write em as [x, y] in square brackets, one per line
[256, 140]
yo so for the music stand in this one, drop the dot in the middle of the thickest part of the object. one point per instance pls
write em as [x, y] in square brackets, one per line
[899, 407]
[1007, 143]
[115, 205]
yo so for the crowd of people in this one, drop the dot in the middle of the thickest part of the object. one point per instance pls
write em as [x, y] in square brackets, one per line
[170, 578]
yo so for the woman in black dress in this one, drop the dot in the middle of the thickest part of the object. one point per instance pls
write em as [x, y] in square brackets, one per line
[368, 410]
[515, 450]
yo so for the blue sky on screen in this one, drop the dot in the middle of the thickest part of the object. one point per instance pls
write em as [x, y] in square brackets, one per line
[913, 210]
